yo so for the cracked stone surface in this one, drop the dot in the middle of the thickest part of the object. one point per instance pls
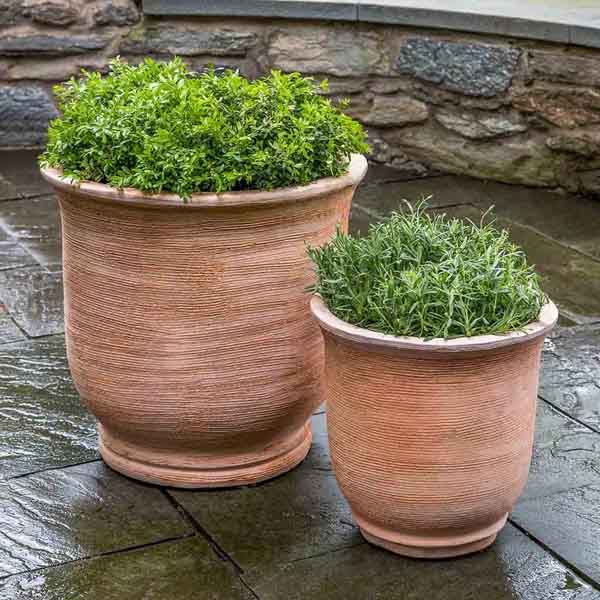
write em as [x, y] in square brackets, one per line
[180, 570]
[42, 421]
[67, 514]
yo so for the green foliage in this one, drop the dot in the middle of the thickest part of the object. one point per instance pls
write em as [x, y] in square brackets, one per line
[424, 275]
[159, 127]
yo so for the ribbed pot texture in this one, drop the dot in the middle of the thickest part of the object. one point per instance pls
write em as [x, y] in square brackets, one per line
[431, 441]
[188, 328]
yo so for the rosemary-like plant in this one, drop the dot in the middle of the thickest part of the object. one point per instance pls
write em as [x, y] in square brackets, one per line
[424, 275]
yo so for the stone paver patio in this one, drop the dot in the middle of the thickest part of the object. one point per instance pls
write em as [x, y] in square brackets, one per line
[70, 528]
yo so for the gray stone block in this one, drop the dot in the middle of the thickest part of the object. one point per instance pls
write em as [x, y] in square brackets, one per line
[50, 45]
[111, 13]
[24, 115]
[54, 13]
[471, 69]
[169, 40]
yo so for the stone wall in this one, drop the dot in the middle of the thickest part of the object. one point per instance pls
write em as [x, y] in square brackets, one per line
[498, 108]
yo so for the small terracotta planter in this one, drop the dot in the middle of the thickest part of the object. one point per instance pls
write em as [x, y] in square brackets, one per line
[188, 329]
[431, 441]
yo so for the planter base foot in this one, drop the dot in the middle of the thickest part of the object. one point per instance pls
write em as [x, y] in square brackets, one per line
[433, 552]
[204, 474]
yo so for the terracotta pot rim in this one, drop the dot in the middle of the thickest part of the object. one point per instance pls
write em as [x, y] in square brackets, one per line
[130, 196]
[329, 322]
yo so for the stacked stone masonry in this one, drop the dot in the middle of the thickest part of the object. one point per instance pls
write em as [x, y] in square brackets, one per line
[506, 109]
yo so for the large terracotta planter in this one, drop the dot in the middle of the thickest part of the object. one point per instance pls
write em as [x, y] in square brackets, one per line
[188, 328]
[431, 441]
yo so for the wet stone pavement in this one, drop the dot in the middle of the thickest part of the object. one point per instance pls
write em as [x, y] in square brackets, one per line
[72, 529]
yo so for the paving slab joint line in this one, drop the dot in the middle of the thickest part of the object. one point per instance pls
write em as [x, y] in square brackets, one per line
[27, 336]
[58, 468]
[191, 520]
[564, 413]
[581, 574]
[22, 197]
[169, 540]
[248, 587]
[362, 542]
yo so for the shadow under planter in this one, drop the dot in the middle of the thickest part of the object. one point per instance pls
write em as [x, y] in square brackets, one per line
[188, 328]
[431, 440]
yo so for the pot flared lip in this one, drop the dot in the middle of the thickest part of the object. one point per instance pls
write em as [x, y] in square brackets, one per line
[330, 323]
[130, 196]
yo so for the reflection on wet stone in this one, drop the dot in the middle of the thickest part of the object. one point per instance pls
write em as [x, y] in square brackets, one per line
[31, 219]
[290, 518]
[44, 424]
[514, 568]
[13, 255]
[568, 523]
[179, 570]
[565, 454]
[9, 332]
[34, 298]
[66, 514]
[20, 176]
[293, 536]
[570, 377]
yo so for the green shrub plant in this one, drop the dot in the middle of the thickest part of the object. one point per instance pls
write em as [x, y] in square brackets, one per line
[160, 127]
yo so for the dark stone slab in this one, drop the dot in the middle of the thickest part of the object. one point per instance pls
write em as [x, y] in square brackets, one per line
[471, 69]
[50, 45]
[24, 115]
[361, 219]
[66, 514]
[567, 218]
[12, 255]
[169, 40]
[379, 173]
[570, 377]
[514, 568]
[290, 518]
[387, 197]
[568, 524]
[34, 299]
[44, 424]
[20, 175]
[179, 570]
[565, 455]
